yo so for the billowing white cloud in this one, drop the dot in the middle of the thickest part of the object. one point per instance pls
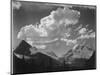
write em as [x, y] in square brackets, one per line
[26, 31]
[61, 16]
[82, 30]
[55, 19]
[87, 35]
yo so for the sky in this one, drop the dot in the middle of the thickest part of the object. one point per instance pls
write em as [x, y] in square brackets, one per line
[25, 13]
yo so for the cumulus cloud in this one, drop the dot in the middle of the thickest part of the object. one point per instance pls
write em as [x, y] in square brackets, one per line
[26, 31]
[86, 33]
[55, 19]
[16, 5]
[60, 16]
[81, 34]
[66, 15]
[82, 30]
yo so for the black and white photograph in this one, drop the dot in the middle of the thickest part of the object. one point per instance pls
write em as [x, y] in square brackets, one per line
[52, 37]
